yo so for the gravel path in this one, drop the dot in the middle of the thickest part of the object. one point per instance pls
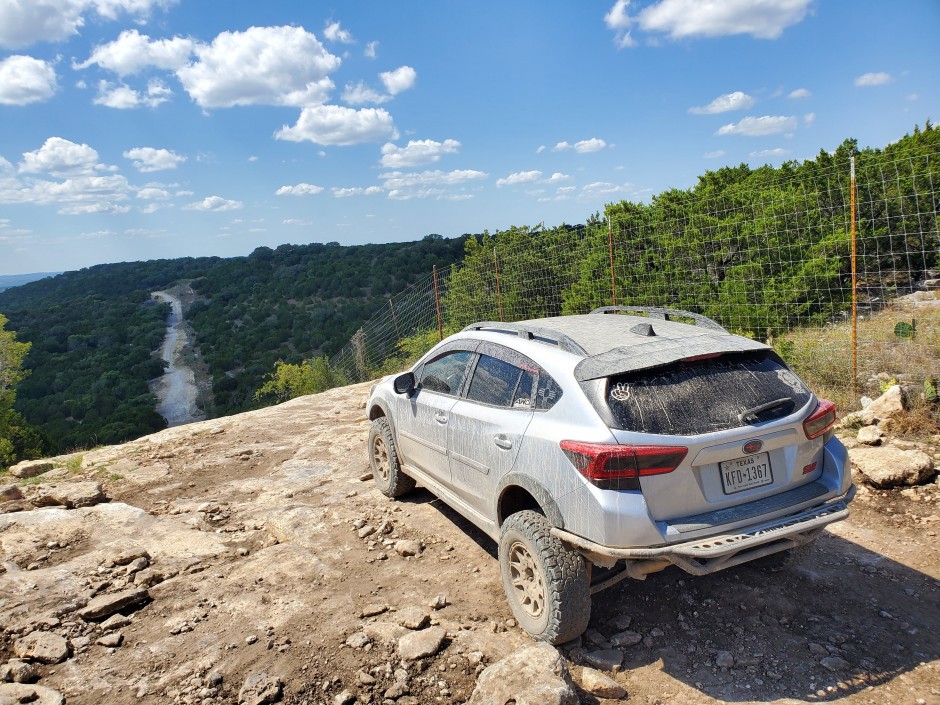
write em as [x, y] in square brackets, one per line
[176, 390]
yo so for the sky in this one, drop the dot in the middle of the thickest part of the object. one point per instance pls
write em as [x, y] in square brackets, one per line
[144, 129]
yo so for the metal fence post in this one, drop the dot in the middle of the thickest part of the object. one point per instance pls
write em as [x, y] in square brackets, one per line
[499, 293]
[613, 282]
[852, 235]
[437, 305]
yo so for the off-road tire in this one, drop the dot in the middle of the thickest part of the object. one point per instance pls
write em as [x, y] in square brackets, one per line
[383, 458]
[547, 584]
[788, 558]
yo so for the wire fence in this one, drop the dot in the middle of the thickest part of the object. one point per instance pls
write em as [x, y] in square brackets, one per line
[834, 262]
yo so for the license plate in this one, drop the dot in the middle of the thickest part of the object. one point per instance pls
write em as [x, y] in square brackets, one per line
[745, 473]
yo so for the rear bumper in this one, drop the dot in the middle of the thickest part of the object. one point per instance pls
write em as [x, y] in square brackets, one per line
[708, 555]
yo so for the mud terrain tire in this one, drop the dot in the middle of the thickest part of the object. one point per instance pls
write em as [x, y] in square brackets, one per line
[383, 458]
[547, 584]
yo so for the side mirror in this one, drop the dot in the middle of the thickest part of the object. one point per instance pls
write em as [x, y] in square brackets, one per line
[405, 384]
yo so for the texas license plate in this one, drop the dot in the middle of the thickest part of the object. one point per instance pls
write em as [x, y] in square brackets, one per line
[745, 473]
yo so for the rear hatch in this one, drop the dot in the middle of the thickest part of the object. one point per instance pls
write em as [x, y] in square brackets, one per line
[740, 416]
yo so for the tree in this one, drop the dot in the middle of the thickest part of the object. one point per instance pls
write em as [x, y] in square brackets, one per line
[11, 374]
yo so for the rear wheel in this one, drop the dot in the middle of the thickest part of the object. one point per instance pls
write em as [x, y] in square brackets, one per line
[547, 584]
[383, 458]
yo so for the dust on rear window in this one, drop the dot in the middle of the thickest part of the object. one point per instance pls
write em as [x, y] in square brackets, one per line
[703, 396]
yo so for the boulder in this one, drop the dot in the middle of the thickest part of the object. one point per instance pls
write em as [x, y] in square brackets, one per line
[31, 468]
[260, 688]
[33, 694]
[605, 659]
[17, 671]
[10, 492]
[532, 675]
[69, 495]
[421, 644]
[884, 407]
[889, 466]
[44, 647]
[106, 605]
[870, 435]
[601, 685]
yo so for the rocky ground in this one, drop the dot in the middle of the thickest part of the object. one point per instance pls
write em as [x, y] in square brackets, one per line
[250, 559]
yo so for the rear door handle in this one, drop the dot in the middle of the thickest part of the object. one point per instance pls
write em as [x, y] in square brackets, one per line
[440, 418]
[503, 442]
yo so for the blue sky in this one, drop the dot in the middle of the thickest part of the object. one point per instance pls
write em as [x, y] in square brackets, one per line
[138, 129]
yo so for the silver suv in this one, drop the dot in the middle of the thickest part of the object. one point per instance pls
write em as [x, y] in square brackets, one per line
[611, 445]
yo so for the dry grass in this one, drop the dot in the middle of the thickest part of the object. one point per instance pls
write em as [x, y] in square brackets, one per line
[823, 357]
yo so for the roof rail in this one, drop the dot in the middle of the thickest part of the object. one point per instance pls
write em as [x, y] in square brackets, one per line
[666, 314]
[536, 333]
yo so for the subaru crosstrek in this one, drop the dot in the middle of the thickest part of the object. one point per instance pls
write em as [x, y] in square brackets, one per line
[610, 445]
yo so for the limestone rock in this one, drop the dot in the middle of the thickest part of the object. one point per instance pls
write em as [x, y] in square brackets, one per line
[33, 694]
[31, 468]
[417, 645]
[17, 671]
[69, 494]
[532, 675]
[605, 659]
[106, 605]
[260, 688]
[407, 547]
[413, 618]
[9, 493]
[601, 685]
[870, 435]
[44, 647]
[889, 466]
[884, 407]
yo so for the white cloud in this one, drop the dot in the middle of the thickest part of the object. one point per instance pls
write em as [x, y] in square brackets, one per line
[401, 79]
[776, 152]
[360, 94]
[153, 194]
[336, 125]
[147, 159]
[260, 66]
[301, 189]
[215, 204]
[404, 186]
[132, 52]
[725, 103]
[60, 157]
[583, 147]
[25, 22]
[798, 94]
[809, 118]
[25, 80]
[556, 177]
[416, 153]
[123, 97]
[519, 177]
[618, 20]
[356, 191]
[296, 221]
[680, 19]
[759, 126]
[370, 52]
[879, 78]
[541, 148]
[335, 33]
[602, 188]
[714, 155]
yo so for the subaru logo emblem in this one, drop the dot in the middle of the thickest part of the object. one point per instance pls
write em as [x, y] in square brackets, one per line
[753, 446]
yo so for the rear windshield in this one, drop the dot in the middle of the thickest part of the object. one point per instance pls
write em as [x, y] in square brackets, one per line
[690, 398]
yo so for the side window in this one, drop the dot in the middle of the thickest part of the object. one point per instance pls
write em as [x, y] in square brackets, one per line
[446, 373]
[547, 392]
[500, 383]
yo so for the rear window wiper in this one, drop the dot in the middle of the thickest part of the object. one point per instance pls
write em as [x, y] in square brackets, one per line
[753, 416]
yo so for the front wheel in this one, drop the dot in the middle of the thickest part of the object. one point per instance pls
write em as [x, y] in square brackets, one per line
[547, 584]
[383, 458]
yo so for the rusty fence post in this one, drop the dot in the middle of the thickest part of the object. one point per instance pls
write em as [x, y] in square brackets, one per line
[852, 235]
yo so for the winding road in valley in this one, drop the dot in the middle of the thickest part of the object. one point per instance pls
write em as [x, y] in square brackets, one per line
[176, 390]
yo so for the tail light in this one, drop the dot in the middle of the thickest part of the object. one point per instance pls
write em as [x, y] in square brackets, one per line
[821, 420]
[619, 467]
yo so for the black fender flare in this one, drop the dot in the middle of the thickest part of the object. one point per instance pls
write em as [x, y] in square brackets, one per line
[532, 486]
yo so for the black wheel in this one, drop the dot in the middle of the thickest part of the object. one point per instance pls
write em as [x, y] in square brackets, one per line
[788, 558]
[383, 457]
[547, 583]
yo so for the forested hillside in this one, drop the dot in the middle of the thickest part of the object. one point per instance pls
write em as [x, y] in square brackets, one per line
[93, 332]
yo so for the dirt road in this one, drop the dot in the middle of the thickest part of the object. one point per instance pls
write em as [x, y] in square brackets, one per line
[271, 553]
[176, 390]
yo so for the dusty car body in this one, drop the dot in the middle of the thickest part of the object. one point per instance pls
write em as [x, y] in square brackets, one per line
[611, 445]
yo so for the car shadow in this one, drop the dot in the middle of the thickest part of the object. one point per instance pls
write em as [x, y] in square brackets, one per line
[846, 620]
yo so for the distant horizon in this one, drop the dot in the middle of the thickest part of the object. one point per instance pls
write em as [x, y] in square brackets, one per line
[138, 130]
